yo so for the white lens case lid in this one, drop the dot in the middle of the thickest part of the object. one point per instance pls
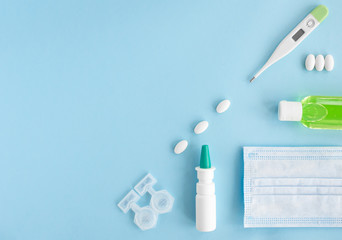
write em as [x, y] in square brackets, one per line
[127, 202]
[143, 186]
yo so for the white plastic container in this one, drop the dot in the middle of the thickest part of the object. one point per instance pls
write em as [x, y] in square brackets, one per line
[205, 200]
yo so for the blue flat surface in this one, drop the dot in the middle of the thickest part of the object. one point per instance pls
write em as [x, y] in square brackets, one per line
[94, 95]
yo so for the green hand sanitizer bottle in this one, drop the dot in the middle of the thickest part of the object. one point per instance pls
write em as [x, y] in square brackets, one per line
[313, 112]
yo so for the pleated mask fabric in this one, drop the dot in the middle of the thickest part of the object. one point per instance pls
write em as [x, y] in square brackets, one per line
[293, 186]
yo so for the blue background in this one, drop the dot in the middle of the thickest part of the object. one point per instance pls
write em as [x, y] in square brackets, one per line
[95, 94]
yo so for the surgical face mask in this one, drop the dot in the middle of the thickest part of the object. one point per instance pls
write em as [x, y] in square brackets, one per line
[146, 217]
[293, 186]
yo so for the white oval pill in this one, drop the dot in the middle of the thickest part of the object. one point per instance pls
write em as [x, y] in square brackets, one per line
[223, 106]
[329, 63]
[319, 63]
[180, 147]
[201, 127]
[310, 62]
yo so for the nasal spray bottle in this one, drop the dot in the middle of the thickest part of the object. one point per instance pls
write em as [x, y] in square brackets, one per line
[205, 197]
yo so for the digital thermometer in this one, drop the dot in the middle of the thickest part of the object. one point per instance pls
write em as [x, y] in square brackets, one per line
[296, 36]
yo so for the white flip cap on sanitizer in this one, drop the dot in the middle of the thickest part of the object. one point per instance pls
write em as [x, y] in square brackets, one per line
[290, 111]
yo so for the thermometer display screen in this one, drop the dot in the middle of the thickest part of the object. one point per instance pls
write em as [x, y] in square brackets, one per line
[298, 35]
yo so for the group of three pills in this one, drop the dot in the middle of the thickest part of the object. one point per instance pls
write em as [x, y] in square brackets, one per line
[319, 62]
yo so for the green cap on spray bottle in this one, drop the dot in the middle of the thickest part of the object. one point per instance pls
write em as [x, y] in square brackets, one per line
[205, 157]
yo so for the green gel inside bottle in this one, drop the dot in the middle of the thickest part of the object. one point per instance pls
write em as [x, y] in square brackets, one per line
[322, 112]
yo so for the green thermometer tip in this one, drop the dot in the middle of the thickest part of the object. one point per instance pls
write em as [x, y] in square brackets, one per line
[320, 13]
[205, 157]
